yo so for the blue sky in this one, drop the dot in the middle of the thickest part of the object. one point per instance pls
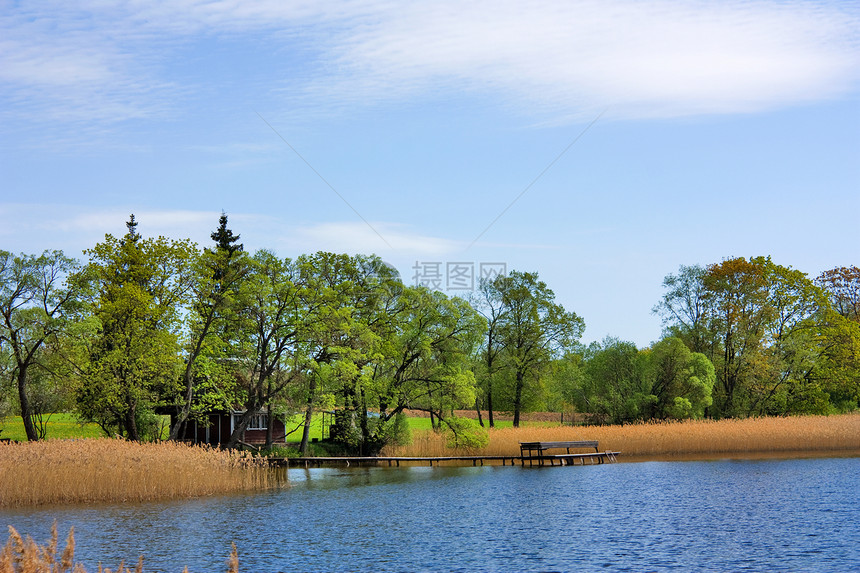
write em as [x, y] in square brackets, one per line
[705, 130]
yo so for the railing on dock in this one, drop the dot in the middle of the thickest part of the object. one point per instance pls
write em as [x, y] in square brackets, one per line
[536, 452]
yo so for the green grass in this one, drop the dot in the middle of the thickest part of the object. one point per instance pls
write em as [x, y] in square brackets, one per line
[60, 426]
[63, 426]
[296, 422]
[424, 424]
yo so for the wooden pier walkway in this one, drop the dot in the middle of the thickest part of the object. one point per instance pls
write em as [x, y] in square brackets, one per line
[531, 452]
[318, 461]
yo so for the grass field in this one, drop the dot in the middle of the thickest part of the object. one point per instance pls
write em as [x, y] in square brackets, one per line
[65, 426]
[60, 426]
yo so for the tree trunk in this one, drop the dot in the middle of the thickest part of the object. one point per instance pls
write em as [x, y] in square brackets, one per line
[478, 410]
[365, 429]
[184, 410]
[518, 399]
[270, 426]
[26, 411]
[131, 424]
[238, 434]
[309, 410]
[490, 403]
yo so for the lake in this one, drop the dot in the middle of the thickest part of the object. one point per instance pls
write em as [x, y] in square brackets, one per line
[729, 515]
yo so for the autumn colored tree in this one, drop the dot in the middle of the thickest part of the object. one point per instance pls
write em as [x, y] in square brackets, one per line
[843, 286]
[768, 329]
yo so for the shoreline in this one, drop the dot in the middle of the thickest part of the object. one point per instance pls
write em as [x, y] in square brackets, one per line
[740, 456]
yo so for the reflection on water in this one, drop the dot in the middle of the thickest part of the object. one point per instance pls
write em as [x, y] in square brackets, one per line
[769, 515]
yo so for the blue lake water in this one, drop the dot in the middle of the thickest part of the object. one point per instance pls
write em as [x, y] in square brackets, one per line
[769, 515]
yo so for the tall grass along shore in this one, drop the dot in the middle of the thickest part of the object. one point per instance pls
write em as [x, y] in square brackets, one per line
[108, 470]
[748, 437]
[21, 555]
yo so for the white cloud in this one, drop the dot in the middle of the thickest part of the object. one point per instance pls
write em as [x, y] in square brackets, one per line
[91, 61]
[638, 58]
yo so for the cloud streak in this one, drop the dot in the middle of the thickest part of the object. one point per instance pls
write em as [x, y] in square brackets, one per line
[642, 59]
[89, 62]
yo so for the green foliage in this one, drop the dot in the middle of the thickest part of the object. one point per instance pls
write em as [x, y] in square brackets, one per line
[40, 298]
[465, 433]
[780, 343]
[400, 433]
[134, 359]
[681, 382]
[154, 325]
[533, 330]
[615, 386]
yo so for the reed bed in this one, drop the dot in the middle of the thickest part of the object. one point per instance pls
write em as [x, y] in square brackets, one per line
[753, 436]
[21, 555]
[108, 470]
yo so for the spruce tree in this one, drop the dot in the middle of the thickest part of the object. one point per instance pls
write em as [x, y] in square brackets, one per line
[224, 238]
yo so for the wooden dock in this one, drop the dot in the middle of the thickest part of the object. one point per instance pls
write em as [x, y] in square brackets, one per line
[536, 452]
[392, 461]
[532, 452]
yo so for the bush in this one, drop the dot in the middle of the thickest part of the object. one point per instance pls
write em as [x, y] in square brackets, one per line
[465, 433]
[399, 433]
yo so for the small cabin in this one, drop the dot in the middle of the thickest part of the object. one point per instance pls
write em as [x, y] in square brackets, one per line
[221, 424]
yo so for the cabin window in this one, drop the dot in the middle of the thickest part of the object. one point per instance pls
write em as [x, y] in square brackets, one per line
[257, 421]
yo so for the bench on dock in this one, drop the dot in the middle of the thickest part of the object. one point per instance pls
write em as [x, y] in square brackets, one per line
[535, 451]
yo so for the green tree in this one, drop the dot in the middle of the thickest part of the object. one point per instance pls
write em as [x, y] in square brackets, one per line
[133, 360]
[268, 330]
[217, 277]
[426, 366]
[487, 300]
[351, 304]
[615, 388]
[685, 308]
[681, 382]
[39, 297]
[534, 329]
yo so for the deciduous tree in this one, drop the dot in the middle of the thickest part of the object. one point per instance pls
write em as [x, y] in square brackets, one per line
[534, 329]
[39, 297]
[134, 360]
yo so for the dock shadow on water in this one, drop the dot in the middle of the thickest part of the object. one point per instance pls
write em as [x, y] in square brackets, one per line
[757, 515]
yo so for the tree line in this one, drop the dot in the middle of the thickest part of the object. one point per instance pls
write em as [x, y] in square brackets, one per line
[149, 326]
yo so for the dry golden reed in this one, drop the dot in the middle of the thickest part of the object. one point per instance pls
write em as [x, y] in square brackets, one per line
[108, 470]
[26, 556]
[812, 434]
